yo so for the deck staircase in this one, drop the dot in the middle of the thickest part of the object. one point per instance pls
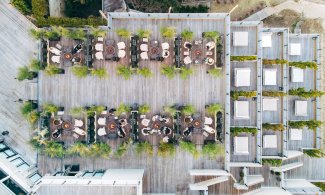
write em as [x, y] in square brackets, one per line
[286, 167]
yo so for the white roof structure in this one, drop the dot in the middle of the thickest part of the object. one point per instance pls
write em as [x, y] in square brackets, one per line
[269, 191]
[242, 77]
[240, 38]
[241, 146]
[297, 75]
[269, 76]
[267, 39]
[301, 107]
[295, 134]
[270, 104]
[295, 49]
[269, 141]
[241, 109]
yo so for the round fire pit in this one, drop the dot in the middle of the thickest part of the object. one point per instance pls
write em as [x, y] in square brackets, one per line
[198, 52]
[66, 125]
[67, 56]
[154, 50]
[156, 125]
[57, 122]
[110, 50]
[112, 126]
[197, 123]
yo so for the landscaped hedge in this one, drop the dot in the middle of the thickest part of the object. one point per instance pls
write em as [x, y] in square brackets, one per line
[236, 94]
[237, 130]
[40, 8]
[304, 65]
[273, 93]
[274, 127]
[70, 22]
[274, 61]
[311, 124]
[242, 58]
[272, 162]
[24, 6]
[305, 94]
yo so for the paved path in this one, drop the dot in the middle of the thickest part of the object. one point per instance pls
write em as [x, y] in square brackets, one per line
[16, 49]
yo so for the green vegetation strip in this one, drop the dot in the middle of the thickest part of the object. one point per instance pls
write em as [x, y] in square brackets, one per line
[274, 61]
[237, 130]
[306, 94]
[304, 65]
[274, 127]
[272, 162]
[243, 58]
[315, 153]
[321, 185]
[236, 94]
[311, 124]
[273, 93]
[70, 22]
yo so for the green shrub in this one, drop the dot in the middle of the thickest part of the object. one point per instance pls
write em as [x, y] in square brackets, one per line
[168, 71]
[273, 93]
[190, 148]
[54, 149]
[123, 109]
[80, 149]
[274, 127]
[304, 65]
[122, 149]
[100, 73]
[92, 110]
[213, 150]
[77, 111]
[80, 71]
[122, 32]
[124, 72]
[185, 72]
[274, 61]
[40, 8]
[212, 35]
[242, 58]
[36, 65]
[166, 149]
[144, 147]
[32, 117]
[168, 32]
[272, 162]
[187, 35]
[143, 33]
[170, 110]
[144, 109]
[237, 130]
[101, 150]
[188, 109]
[145, 72]
[38, 33]
[78, 34]
[305, 94]
[52, 35]
[314, 153]
[215, 72]
[70, 22]
[50, 108]
[321, 185]
[97, 32]
[52, 69]
[236, 94]
[25, 73]
[24, 6]
[311, 124]
[212, 109]
[27, 108]
[190, 9]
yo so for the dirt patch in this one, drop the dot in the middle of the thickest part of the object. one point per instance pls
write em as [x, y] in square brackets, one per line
[286, 18]
[311, 25]
[245, 7]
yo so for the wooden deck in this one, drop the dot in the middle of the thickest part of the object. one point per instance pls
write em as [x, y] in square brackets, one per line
[273, 151]
[308, 140]
[249, 50]
[308, 48]
[274, 116]
[251, 157]
[244, 122]
[276, 51]
[310, 109]
[252, 66]
[162, 175]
